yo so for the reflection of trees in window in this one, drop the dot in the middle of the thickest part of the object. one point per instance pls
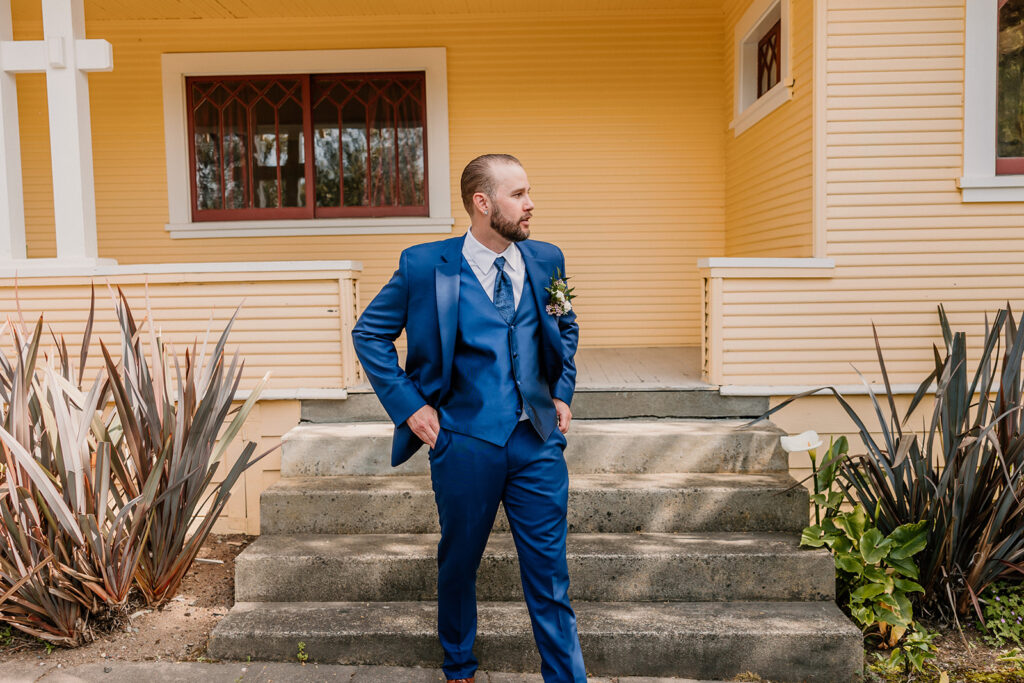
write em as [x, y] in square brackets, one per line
[1010, 111]
[379, 122]
[365, 138]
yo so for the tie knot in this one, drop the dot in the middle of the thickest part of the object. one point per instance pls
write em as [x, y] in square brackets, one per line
[499, 262]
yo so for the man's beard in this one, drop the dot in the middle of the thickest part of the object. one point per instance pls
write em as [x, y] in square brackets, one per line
[513, 232]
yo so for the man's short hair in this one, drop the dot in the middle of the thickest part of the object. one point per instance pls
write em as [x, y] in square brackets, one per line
[477, 177]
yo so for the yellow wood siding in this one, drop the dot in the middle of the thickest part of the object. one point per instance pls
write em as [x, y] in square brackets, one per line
[290, 324]
[769, 166]
[902, 239]
[616, 115]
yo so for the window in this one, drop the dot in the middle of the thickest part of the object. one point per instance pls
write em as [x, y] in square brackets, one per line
[993, 102]
[307, 142]
[1010, 89]
[252, 138]
[762, 78]
[769, 63]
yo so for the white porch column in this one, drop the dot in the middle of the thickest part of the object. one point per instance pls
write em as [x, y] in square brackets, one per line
[69, 56]
[12, 206]
[65, 56]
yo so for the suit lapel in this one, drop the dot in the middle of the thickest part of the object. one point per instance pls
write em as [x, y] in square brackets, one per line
[446, 286]
[539, 272]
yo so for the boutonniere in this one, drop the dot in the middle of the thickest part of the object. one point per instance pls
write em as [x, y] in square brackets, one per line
[560, 295]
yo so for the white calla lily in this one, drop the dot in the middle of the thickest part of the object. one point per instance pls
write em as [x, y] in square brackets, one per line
[804, 441]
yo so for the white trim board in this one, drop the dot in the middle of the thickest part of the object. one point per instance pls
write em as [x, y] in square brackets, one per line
[748, 109]
[980, 182]
[55, 268]
[176, 66]
[792, 389]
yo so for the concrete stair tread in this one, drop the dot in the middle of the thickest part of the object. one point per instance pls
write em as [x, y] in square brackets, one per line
[605, 618]
[617, 502]
[780, 641]
[643, 567]
[635, 426]
[376, 547]
[674, 481]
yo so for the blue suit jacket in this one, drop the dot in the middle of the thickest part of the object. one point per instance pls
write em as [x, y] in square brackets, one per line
[423, 298]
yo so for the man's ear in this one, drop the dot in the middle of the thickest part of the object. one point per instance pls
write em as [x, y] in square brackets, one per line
[481, 202]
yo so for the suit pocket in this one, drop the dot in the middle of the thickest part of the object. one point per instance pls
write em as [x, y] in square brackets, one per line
[438, 443]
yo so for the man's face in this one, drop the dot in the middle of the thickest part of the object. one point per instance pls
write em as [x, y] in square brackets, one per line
[512, 208]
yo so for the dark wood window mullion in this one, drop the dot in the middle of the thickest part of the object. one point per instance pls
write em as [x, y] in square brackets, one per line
[220, 164]
[277, 154]
[370, 112]
[250, 200]
[309, 172]
[341, 155]
[396, 188]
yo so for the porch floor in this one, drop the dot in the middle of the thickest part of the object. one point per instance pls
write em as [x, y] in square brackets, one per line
[633, 369]
[663, 368]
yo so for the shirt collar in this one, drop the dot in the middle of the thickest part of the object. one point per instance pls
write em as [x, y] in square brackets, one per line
[483, 258]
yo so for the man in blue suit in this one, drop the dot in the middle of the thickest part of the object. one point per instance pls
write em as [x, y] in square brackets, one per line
[487, 384]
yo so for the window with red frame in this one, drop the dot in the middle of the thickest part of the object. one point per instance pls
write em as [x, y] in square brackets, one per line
[307, 146]
[1010, 89]
[769, 62]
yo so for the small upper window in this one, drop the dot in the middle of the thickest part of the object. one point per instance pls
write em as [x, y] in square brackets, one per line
[1010, 89]
[769, 60]
[763, 81]
[307, 146]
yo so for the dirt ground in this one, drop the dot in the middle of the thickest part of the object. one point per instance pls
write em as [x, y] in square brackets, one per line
[178, 632]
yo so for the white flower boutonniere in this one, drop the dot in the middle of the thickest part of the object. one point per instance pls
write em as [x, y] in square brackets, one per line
[560, 293]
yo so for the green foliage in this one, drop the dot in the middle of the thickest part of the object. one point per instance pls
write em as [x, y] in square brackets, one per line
[6, 636]
[302, 656]
[962, 473]
[912, 654]
[874, 572]
[98, 499]
[1003, 611]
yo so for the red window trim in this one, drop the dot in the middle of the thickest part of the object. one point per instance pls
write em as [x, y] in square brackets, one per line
[1010, 166]
[310, 210]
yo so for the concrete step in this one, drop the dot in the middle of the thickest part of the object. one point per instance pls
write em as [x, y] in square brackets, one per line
[602, 567]
[587, 404]
[780, 641]
[594, 446]
[612, 503]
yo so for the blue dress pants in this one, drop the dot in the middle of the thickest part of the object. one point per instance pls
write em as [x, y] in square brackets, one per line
[470, 477]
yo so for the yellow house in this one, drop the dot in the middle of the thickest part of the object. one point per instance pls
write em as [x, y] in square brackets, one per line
[759, 179]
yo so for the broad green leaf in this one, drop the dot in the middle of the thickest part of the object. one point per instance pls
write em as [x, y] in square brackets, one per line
[909, 539]
[908, 586]
[905, 566]
[811, 536]
[867, 591]
[873, 546]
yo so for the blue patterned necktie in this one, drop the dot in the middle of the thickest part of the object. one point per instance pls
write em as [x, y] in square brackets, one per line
[503, 297]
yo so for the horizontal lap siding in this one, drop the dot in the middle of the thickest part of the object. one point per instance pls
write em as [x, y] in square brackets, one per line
[902, 239]
[616, 115]
[290, 328]
[768, 166]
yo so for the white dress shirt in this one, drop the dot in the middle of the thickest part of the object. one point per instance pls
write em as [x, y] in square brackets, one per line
[481, 260]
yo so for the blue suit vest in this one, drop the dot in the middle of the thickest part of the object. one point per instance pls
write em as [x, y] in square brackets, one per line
[496, 368]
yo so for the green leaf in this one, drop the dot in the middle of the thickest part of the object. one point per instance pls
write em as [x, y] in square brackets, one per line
[873, 546]
[853, 522]
[848, 563]
[907, 586]
[909, 539]
[867, 591]
[905, 566]
[812, 536]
